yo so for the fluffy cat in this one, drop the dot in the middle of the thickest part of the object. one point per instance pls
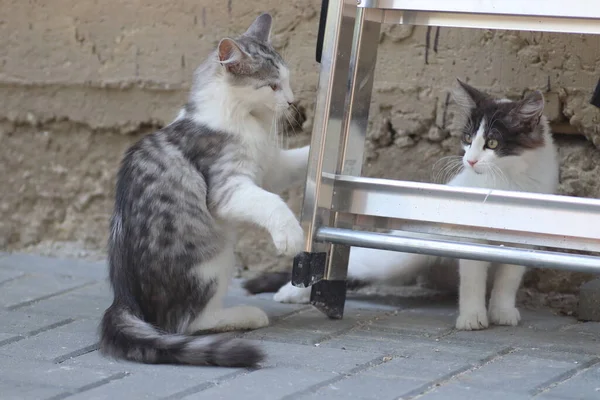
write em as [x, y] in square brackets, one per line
[180, 193]
[508, 146]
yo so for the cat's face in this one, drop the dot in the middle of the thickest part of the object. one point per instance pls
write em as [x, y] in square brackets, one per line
[497, 132]
[256, 74]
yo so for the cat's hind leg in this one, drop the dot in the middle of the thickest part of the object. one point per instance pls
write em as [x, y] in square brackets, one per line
[502, 310]
[213, 317]
[472, 314]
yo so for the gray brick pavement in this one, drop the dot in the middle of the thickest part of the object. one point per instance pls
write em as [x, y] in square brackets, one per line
[400, 349]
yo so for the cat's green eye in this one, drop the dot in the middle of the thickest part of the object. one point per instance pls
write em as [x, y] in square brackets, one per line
[492, 144]
[467, 138]
[274, 86]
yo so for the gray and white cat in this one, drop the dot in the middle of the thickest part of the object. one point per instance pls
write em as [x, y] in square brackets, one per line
[180, 193]
[508, 146]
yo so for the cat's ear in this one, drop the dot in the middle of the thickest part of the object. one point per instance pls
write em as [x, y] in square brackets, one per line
[467, 96]
[261, 28]
[231, 56]
[531, 108]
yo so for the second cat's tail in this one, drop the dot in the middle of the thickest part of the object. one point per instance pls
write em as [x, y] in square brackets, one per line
[267, 282]
[123, 334]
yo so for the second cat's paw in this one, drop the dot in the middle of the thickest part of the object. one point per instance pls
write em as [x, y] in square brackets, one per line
[288, 237]
[292, 294]
[504, 316]
[472, 320]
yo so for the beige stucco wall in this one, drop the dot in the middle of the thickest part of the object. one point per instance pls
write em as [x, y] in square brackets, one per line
[80, 81]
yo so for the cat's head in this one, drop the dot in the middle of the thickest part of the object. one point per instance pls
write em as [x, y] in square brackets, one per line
[254, 72]
[498, 130]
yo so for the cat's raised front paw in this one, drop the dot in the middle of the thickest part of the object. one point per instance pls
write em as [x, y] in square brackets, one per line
[504, 316]
[292, 294]
[288, 237]
[472, 320]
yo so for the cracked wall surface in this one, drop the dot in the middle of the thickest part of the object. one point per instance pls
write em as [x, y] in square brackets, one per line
[81, 81]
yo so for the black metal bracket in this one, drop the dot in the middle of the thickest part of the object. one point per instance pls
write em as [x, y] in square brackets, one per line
[309, 268]
[596, 96]
[329, 297]
[321, 33]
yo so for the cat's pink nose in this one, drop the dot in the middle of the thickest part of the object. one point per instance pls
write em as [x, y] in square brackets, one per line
[472, 163]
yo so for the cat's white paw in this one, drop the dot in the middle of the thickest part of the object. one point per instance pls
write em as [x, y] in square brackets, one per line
[249, 317]
[239, 318]
[288, 236]
[472, 320]
[292, 294]
[504, 316]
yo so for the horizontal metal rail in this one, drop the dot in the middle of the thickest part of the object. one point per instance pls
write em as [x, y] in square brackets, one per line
[493, 215]
[509, 255]
[553, 16]
[548, 8]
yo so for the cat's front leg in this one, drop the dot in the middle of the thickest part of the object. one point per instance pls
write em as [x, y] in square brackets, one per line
[472, 314]
[502, 310]
[289, 169]
[240, 199]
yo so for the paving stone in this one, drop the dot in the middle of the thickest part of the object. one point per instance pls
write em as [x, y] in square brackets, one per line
[364, 387]
[372, 339]
[56, 344]
[561, 340]
[314, 321]
[415, 322]
[156, 381]
[26, 391]
[7, 275]
[49, 374]
[22, 322]
[83, 302]
[264, 384]
[31, 263]
[384, 348]
[4, 337]
[314, 357]
[544, 320]
[312, 327]
[466, 392]
[525, 372]
[591, 329]
[36, 287]
[582, 386]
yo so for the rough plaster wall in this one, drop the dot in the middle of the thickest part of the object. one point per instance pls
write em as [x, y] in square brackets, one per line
[80, 81]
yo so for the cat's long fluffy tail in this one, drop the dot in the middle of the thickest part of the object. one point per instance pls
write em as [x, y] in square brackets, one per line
[125, 335]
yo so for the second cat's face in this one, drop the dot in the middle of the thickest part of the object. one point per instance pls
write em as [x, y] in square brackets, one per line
[498, 132]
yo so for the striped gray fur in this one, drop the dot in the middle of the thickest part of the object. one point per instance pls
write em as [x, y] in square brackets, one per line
[168, 225]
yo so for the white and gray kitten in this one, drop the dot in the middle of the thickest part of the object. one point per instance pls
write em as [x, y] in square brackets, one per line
[180, 193]
[508, 146]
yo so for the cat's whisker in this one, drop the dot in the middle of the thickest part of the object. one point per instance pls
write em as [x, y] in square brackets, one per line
[450, 165]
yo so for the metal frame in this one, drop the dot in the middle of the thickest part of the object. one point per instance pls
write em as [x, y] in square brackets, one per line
[337, 199]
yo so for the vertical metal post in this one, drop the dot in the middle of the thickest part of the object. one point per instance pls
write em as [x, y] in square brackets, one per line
[341, 117]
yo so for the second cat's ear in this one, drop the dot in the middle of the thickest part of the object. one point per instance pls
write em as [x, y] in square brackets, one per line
[531, 108]
[231, 56]
[261, 28]
[467, 96]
